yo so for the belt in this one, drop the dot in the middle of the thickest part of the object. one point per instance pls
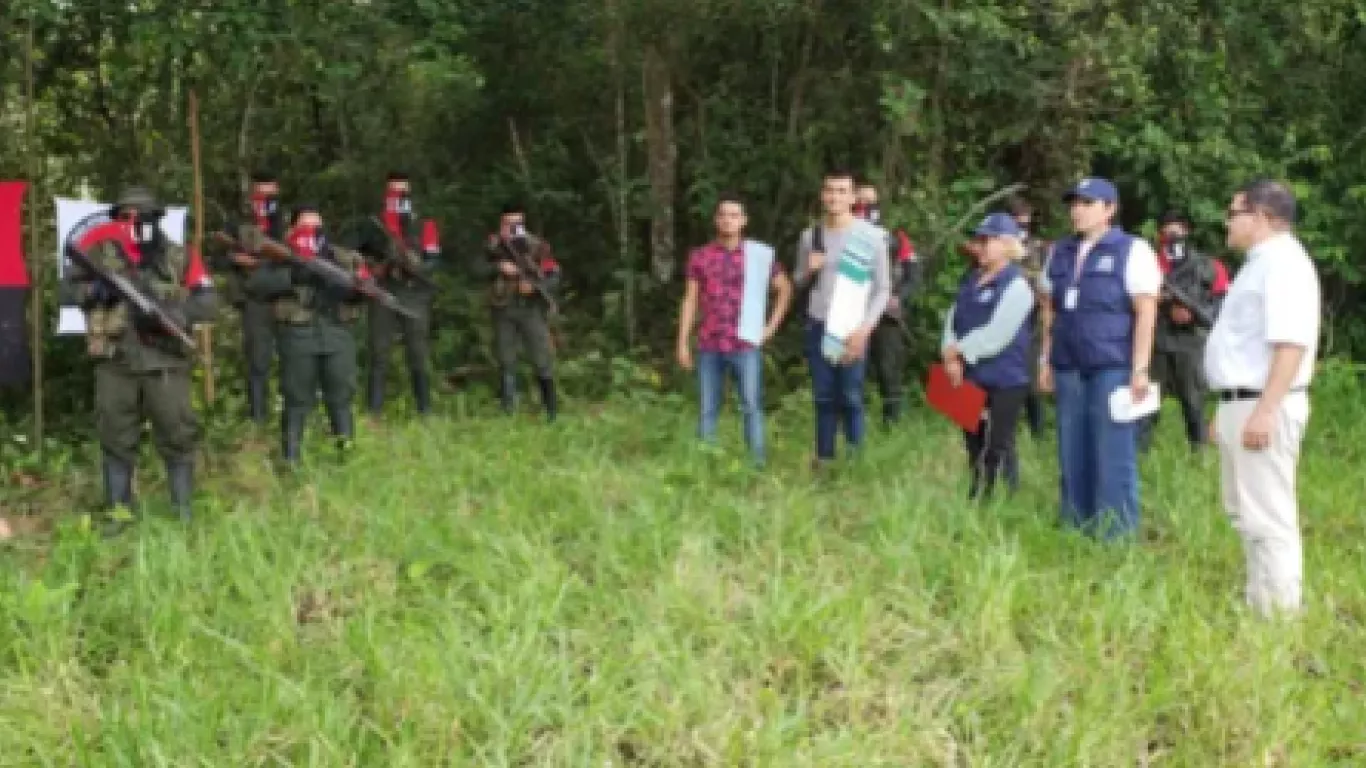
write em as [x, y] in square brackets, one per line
[1233, 395]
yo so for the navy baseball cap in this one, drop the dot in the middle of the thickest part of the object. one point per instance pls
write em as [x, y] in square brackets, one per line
[1093, 188]
[998, 225]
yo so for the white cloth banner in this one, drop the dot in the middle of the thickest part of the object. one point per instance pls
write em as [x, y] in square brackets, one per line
[70, 319]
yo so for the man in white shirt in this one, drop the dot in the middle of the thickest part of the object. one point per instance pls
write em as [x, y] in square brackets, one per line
[1259, 359]
[1101, 286]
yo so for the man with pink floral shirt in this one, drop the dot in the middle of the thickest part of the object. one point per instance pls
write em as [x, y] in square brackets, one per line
[729, 281]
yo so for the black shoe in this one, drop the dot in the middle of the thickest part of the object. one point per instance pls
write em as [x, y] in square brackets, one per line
[549, 398]
[180, 478]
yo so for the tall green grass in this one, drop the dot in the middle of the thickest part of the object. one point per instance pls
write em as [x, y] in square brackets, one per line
[488, 591]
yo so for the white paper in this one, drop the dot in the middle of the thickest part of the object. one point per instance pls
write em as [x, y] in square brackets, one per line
[1123, 408]
[70, 319]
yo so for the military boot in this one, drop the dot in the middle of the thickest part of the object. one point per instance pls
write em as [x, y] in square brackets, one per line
[422, 391]
[375, 402]
[118, 482]
[180, 478]
[343, 425]
[292, 422]
[508, 392]
[258, 399]
[548, 397]
[118, 495]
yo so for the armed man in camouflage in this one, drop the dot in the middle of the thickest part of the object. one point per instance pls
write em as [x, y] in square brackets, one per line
[258, 326]
[1179, 346]
[1034, 256]
[525, 277]
[314, 326]
[142, 353]
[401, 252]
[887, 349]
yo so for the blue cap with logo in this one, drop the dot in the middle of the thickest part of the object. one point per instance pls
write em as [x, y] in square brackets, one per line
[998, 225]
[1094, 188]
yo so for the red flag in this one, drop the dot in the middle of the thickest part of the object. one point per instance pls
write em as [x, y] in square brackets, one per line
[14, 283]
[13, 272]
[962, 404]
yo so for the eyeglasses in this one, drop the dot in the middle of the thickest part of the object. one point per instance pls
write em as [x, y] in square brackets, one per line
[1234, 213]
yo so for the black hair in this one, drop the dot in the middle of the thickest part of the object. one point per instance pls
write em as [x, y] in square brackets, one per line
[300, 211]
[513, 206]
[264, 177]
[1018, 206]
[1175, 216]
[1271, 197]
[729, 197]
[839, 172]
[396, 176]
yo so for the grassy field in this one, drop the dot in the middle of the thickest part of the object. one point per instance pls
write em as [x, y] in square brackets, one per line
[480, 591]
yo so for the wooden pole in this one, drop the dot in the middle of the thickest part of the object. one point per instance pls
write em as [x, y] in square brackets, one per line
[205, 329]
[35, 261]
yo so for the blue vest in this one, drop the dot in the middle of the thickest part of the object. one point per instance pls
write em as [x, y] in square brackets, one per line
[972, 310]
[1099, 332]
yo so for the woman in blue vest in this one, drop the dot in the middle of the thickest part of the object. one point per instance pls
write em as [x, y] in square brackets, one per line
[986, 340]
[1102, 285]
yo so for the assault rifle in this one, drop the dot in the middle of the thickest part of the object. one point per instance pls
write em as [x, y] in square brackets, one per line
[1202, 315]
[130, 293]
[423, 280]
[325, 269]
[1172, 288]
[521, 257]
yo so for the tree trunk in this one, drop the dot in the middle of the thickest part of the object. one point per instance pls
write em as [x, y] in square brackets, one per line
[663, 167]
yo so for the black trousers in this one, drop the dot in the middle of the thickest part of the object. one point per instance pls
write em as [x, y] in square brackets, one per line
[991, 451]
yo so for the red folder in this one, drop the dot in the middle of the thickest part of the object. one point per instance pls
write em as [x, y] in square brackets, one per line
[963, 404]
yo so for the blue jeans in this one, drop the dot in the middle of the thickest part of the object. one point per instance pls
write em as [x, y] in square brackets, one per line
[747, 366]
[1097, 456]
[837, 391]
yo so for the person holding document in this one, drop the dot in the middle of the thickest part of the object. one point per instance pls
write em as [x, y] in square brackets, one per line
[848, 261]
[729, 280]
[1102, 285]
[987, 340]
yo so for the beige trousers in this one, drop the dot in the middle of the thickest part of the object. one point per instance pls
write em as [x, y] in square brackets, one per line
[1259, 497]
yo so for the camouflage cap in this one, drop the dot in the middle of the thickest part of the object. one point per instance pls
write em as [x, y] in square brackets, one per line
[139, 198]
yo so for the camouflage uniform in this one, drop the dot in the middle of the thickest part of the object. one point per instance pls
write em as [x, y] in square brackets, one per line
[314, 324]
[521, 320]
[394, 263]
[1178, 349]
[258, 323]
[142, 372]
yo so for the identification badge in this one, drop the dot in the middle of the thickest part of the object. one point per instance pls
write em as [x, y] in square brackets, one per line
[1069, 299]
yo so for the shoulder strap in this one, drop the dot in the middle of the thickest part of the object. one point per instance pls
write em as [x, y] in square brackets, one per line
[818, 238]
